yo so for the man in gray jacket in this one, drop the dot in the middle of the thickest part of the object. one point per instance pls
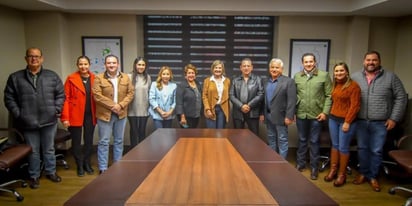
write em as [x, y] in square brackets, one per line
[34, 97]
[383, 103]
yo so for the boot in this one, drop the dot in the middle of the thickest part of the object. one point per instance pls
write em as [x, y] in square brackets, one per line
[343, 163]
[88, 167]
[80, 170]
[334, 157]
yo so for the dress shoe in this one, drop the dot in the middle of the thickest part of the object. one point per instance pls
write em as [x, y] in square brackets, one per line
[300, 168]
[360, 179]
[314, 174]
[375, 185]
[34, 183]
[88, 169]
[80, 171]
[54, 177]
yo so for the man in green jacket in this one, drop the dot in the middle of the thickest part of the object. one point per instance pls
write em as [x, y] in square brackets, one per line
[314, 88]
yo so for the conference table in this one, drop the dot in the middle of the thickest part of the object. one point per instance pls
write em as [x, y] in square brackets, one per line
[201, 167]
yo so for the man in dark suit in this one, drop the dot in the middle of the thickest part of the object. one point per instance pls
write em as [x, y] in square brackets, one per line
[280, 106]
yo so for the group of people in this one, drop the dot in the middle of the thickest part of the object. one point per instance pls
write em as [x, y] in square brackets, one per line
[368, 104]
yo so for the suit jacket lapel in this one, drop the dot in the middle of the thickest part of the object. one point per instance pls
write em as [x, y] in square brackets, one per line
[277, 89]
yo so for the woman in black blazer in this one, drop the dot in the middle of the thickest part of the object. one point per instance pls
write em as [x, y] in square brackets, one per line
[189, 99]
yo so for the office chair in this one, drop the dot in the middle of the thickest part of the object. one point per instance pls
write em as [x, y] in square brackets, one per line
[325, 144]
[403, 159]
[11, 157]
[61, 137]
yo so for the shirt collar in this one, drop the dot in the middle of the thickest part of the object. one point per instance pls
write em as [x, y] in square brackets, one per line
[311, 73]
[107, 75]
[212, 78]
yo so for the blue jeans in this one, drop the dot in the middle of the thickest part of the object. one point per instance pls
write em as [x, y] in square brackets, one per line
[371, 137]
[341, 140]
[116, 127]
[41, 140]
[162, 123]
[308, 130]
[278, 138]
[220, 121]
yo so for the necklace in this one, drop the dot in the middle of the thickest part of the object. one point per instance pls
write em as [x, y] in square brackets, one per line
[85, 79]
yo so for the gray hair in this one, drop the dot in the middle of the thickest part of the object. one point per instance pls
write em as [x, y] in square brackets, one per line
[276, 60]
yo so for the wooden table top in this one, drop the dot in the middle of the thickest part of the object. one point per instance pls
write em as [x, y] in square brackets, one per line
[284, 183]
[202, 171]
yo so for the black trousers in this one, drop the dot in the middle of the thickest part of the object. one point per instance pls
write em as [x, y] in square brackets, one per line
[76, 134]
[252, 123]
[137, 129]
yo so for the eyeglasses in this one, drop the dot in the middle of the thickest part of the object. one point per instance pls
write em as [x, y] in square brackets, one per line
[33, 57]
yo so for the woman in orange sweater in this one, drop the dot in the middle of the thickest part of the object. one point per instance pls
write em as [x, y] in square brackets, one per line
[79, 113]
[342, 121]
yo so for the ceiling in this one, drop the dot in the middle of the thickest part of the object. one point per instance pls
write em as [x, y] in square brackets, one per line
[377, 8]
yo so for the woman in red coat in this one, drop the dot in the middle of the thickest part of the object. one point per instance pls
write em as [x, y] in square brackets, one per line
[79, 114]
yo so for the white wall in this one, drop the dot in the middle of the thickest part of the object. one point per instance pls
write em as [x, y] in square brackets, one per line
[103, 25]
[12, 54]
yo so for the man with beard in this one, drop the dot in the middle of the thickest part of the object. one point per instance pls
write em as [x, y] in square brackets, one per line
[383, 103]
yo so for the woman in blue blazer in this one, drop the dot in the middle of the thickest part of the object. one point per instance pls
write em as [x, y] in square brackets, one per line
[162, 99]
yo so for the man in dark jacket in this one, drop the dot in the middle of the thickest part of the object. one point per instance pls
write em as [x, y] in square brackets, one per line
[246, 94]
[34, 96]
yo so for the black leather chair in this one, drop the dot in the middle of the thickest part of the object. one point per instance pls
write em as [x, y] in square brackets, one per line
[61, 137]
[402, 157]
[12, 157]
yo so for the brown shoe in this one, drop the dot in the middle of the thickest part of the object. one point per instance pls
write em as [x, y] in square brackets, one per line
[360, 179]
[375, 185]
[54, 177]
[34, 183]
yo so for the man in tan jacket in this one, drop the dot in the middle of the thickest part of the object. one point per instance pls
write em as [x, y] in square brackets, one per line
[112, 91]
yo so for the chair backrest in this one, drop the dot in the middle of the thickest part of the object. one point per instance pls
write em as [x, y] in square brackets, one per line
[405, 142]
[14, 137]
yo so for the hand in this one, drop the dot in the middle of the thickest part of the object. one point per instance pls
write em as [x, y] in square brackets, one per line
[321, 117]
[345, 127]
[209, 114]
[165, 115]
[288, 121]
[245, 108]
[116, 108]
[160, 111]
[66, 124]
[261, 118]
[183, 120]
[390, 124]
